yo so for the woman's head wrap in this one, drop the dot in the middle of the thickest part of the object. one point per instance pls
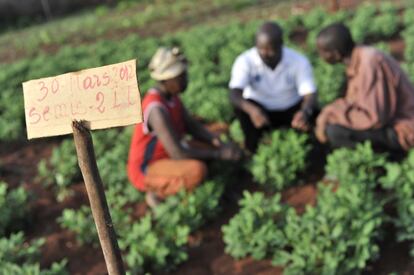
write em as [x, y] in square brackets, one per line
[167, 63]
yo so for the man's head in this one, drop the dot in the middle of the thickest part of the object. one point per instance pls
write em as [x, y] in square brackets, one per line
[269, 42]
[335, 43]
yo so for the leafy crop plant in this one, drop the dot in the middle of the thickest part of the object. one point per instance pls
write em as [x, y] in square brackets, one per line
[281, 156]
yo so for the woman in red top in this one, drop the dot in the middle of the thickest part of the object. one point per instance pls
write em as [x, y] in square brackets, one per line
[160, 163]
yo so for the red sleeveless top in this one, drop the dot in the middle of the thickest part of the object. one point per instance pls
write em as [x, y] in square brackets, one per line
[145, 146]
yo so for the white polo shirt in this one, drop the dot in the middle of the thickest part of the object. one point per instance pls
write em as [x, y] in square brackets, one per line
[278, 89]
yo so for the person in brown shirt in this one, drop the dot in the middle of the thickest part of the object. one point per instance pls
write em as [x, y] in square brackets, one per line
[378, 104]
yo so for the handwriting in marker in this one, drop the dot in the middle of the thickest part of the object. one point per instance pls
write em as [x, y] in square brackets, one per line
[102, 96]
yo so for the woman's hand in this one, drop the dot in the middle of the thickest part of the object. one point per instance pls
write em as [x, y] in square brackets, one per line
[230, 152]
[216, 142]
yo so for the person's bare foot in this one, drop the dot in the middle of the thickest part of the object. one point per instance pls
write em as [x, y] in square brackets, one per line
[151, 199]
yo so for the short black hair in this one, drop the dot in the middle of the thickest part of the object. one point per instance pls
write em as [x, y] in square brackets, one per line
[272, 30]
[338, 37]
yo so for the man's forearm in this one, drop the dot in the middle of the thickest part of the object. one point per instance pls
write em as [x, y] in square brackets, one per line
[237, 100]
[308, 106]
[309, 102]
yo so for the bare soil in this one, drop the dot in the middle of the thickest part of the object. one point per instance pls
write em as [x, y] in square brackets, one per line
[206, 249]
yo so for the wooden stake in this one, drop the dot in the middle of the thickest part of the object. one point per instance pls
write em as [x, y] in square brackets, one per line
[97, 199]
[335, 5]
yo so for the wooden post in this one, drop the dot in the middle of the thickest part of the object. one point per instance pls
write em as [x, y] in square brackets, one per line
[335, 5]
[97, 199]
[46, 9]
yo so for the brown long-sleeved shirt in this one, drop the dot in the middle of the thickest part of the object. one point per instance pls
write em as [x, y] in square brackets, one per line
[379, 94]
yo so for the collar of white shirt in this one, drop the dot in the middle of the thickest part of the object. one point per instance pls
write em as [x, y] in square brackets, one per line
[280, 66]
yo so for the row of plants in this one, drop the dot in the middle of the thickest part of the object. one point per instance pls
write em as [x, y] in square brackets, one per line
[159, 239]
[17, 255]
[340, 234]
[399, 181]
[210, 68]
[61, 170]
[124, 16]
[407, 34]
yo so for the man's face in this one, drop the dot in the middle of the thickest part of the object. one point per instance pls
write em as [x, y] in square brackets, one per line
[270, 51]
[329, 56]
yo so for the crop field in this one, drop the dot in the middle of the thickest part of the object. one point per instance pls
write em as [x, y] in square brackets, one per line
[295, 207]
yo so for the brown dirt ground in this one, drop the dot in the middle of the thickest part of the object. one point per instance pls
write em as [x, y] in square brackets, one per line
[206, 251]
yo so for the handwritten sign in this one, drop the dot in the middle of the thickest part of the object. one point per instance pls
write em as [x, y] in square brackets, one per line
[106, 97]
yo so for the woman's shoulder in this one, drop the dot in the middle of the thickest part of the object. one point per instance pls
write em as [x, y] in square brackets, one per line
[152, 95]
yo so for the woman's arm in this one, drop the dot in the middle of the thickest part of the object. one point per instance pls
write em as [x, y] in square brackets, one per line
[198, 131]
[161, 125]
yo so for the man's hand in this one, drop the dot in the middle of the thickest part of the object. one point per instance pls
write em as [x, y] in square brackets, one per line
[258, 117]
[230, 152]
[320, 134]
[405, 135]
[299, 121]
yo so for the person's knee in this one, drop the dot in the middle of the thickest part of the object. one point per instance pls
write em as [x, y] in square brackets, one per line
[197, 171]
[336, 135]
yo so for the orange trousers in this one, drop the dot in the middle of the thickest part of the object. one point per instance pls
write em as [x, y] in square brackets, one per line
[168, 176]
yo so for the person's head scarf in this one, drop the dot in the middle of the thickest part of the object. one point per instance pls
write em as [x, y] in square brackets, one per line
[167, 64]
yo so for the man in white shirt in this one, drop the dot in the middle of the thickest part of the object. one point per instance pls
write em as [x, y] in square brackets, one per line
[271, 86]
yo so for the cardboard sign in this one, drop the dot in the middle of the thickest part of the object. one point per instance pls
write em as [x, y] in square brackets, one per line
[105, 97]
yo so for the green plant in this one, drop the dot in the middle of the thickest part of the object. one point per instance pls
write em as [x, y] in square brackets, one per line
[111, 150]
[358, 24]
[192, 209]
[384, 22]
[408, 18]
[383, 46]
[236, 132]
[409, 69]
[386, 25]
[314, 18]
[20, 257]
[279, 158]
[337, 236]
[61, 170]
[361, 165]
[330, 80]
[409, 44]
[256, 229]
[13, 208]
[155, 241]
[159, 241]
[151, 247]
[399, 179]
[80, 221]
